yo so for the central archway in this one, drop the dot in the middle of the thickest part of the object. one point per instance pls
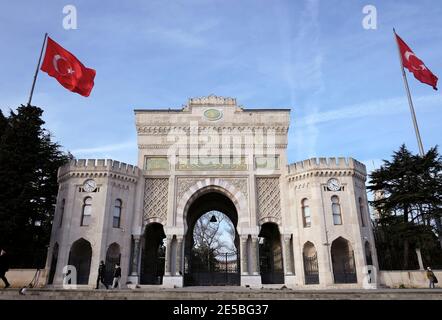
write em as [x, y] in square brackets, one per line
[204, 263]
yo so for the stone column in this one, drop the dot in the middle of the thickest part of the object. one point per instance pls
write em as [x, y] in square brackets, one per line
[179, 257]
[288, 260]
[243, 256]
[255, 256]
[168, 257]
[135, 255]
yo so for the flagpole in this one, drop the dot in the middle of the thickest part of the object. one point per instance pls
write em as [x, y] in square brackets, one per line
[410, 101]
[36, 70]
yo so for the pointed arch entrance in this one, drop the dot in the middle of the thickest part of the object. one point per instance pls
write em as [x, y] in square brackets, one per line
[270, 254]
[344, 269]
[211, 257]
[80, 257]
[113, 256]
[153, 254]
[311, 268]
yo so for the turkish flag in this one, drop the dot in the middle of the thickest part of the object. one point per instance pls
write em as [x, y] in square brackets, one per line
[67, 69]
[415, 65]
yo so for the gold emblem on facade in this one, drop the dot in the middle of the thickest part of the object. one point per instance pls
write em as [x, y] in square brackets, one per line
[213, 114]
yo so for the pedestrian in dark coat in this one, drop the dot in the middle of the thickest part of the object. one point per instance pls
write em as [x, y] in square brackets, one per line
[101, 272]
[4, 267]
[117, 276]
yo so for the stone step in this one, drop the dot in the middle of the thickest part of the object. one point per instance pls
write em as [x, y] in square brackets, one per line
[217, 293]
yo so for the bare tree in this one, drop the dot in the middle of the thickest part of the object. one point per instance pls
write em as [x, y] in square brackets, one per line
[216, 237]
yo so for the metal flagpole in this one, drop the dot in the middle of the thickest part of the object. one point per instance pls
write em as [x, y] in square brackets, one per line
[36, 70]
[410, 101]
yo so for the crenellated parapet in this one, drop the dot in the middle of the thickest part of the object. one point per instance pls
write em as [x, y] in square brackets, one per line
[99, 168]
[326, 167]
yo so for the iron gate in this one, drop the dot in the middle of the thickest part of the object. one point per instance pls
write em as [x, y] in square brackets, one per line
[270, 264]
[346, 271]
[210, 269]
[311, 270]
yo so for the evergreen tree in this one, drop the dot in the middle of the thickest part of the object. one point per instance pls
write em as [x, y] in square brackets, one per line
[3, 123]
[410, 208]
[29, 161]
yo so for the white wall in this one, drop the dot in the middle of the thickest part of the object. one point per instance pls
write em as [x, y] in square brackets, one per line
[409, 279]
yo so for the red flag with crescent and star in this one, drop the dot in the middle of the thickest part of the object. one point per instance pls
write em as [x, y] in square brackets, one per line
[415, 65]
[67, 69]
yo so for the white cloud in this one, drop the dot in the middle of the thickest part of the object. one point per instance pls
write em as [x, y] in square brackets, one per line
[372, 108]
[303, 67]
[105, 149]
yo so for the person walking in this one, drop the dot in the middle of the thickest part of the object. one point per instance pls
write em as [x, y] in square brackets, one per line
[431, 278]
[117, 276]
[4, 267]
[101, 272]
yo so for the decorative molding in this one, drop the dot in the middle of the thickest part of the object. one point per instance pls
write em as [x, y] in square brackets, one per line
[269, 202]
[301, 186]
[156, 163]
[166, 129]
[166, 146]
[269, 162]
[240, 184]
[212, 100]
[184, 184]
[325, 173]
[96, 174]
[156, 198]
[210, 163]
[120, 186]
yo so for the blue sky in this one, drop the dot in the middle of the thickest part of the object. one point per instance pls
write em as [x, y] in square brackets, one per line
[342, 82]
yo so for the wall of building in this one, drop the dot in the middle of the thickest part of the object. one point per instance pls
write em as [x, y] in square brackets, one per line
[161, 192]
[407, 279]
[114, 180]
[308, 180]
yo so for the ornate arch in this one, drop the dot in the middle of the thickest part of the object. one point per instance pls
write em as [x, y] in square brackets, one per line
[201, 187]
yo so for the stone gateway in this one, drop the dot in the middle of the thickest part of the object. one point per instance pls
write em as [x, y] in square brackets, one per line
[302, 225]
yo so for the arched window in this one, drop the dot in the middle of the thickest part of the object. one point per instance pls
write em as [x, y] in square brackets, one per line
[336, 209]
[62, 212]
[362, 211]
[368, 256]
[117, 213]
[87, 211]
[306, 217]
